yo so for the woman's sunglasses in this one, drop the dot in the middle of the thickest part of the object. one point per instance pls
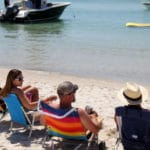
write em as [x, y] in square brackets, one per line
[19, 79]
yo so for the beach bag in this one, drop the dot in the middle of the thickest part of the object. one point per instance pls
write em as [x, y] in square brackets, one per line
[135, 130]
[2, 106]
[3, 109]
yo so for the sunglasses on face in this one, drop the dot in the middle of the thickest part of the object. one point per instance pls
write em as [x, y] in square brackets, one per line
[19, 79]
[70, 93]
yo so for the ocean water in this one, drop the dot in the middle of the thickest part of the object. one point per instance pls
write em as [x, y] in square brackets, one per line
[89, 40]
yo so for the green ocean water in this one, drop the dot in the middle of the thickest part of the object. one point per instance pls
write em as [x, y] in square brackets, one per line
[90, 40]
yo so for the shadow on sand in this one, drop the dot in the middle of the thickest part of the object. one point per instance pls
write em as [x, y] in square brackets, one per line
[19, 135]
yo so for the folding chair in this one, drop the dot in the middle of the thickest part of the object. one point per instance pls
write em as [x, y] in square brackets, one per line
[18, 114]
[133, 128]
[65, 124]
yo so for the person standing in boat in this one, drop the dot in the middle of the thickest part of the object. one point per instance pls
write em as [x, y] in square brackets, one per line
[43, 3]
[29, 4]
[6, 3]
[36, 4]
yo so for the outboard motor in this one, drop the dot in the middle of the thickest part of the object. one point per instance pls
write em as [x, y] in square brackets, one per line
[6, 3]
[11, 12]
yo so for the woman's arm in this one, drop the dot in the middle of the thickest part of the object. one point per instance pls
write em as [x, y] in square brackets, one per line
[24, 100]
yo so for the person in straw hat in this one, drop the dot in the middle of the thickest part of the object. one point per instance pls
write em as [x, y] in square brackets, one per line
[132, 120]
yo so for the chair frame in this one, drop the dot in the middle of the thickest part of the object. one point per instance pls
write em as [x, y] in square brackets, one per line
[11, 98]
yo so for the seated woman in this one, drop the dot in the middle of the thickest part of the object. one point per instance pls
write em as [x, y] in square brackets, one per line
[27, 95]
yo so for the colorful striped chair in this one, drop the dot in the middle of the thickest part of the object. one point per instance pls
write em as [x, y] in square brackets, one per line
[66, 124]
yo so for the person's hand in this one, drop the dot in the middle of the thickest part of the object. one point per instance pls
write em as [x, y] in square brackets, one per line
[90, 110]
[93, 115]
[100, 122]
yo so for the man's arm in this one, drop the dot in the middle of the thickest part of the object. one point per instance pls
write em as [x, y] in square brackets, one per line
[90, 122]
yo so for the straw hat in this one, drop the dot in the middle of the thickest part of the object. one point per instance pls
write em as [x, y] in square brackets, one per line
[133, 94]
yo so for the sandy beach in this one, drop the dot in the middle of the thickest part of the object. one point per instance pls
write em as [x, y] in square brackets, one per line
[101, 95]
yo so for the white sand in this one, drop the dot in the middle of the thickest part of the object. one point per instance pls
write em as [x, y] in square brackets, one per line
[101, 95]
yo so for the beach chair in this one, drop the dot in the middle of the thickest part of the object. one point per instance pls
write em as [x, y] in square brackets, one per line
[65, 129]
[133, 128]
[18, 114]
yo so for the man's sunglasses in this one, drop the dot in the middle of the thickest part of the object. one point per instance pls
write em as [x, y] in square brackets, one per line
[70, 93]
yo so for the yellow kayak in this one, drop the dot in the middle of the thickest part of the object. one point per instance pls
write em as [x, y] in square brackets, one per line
[133, 24]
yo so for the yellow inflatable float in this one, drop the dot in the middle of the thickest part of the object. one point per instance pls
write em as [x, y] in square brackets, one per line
[134, 24]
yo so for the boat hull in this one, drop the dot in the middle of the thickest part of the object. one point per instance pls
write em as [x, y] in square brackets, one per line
[147, 5]
[52, 12]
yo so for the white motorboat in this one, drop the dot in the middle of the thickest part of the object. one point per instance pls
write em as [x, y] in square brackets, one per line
[32, 11]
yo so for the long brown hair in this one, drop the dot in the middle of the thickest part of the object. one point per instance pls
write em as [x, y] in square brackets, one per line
[9, 82]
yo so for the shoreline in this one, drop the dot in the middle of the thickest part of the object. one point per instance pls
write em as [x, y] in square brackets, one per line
[64, 76]
[99, 94]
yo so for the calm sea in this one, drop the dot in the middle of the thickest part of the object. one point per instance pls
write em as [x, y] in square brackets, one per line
[90, 40]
